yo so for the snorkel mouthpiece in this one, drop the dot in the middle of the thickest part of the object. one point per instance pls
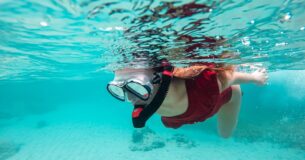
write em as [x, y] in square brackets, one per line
[142, 113]
[137, 120]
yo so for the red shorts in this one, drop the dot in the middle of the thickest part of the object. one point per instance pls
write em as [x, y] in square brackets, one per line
[204, 100]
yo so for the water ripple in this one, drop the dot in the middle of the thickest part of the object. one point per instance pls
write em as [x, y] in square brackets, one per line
[80, 39]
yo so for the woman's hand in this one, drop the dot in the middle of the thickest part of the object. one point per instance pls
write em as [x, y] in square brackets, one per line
[260, 76]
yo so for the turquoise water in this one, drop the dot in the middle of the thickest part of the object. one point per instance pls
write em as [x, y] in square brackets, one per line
[56, 58]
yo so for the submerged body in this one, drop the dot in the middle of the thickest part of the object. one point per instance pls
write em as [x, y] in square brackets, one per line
[203, 99]
[195, 99]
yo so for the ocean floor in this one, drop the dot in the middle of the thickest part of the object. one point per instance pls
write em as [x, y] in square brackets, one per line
[84, 133]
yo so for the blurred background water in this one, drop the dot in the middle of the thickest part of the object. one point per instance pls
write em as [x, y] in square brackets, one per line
[56, 58]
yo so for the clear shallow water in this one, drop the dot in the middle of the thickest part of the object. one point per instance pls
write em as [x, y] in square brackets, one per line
[55, 61]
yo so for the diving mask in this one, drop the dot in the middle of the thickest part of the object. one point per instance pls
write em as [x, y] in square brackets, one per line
[141, 87]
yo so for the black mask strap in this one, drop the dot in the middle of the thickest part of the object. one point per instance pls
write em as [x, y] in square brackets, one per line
[142, 113]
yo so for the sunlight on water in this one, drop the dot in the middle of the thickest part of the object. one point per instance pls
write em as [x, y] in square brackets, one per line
[60, 37]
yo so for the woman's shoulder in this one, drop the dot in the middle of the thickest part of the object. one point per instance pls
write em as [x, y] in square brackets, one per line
[189, 72]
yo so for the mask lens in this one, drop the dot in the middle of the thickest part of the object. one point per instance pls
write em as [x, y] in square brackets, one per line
[117, 92]
[138, 89]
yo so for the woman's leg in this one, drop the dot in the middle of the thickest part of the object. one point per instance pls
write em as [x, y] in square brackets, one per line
[228, 113]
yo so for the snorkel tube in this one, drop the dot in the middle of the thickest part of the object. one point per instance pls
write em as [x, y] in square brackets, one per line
[142, 113]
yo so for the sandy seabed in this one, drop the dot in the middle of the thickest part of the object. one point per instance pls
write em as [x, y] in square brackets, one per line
[64, 135]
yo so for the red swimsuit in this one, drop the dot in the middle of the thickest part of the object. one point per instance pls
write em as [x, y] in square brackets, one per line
[204, 100]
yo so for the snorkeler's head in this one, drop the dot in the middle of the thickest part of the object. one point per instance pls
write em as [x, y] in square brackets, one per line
[135, 85]
[145, 88]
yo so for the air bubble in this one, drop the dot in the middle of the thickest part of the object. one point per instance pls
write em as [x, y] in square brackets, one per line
[245, 41]
[43, 23]
[281, 44]
[286, 17]
[119, 28]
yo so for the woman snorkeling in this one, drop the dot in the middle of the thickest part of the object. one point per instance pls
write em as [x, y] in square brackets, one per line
[184, 95]
[180, 95]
